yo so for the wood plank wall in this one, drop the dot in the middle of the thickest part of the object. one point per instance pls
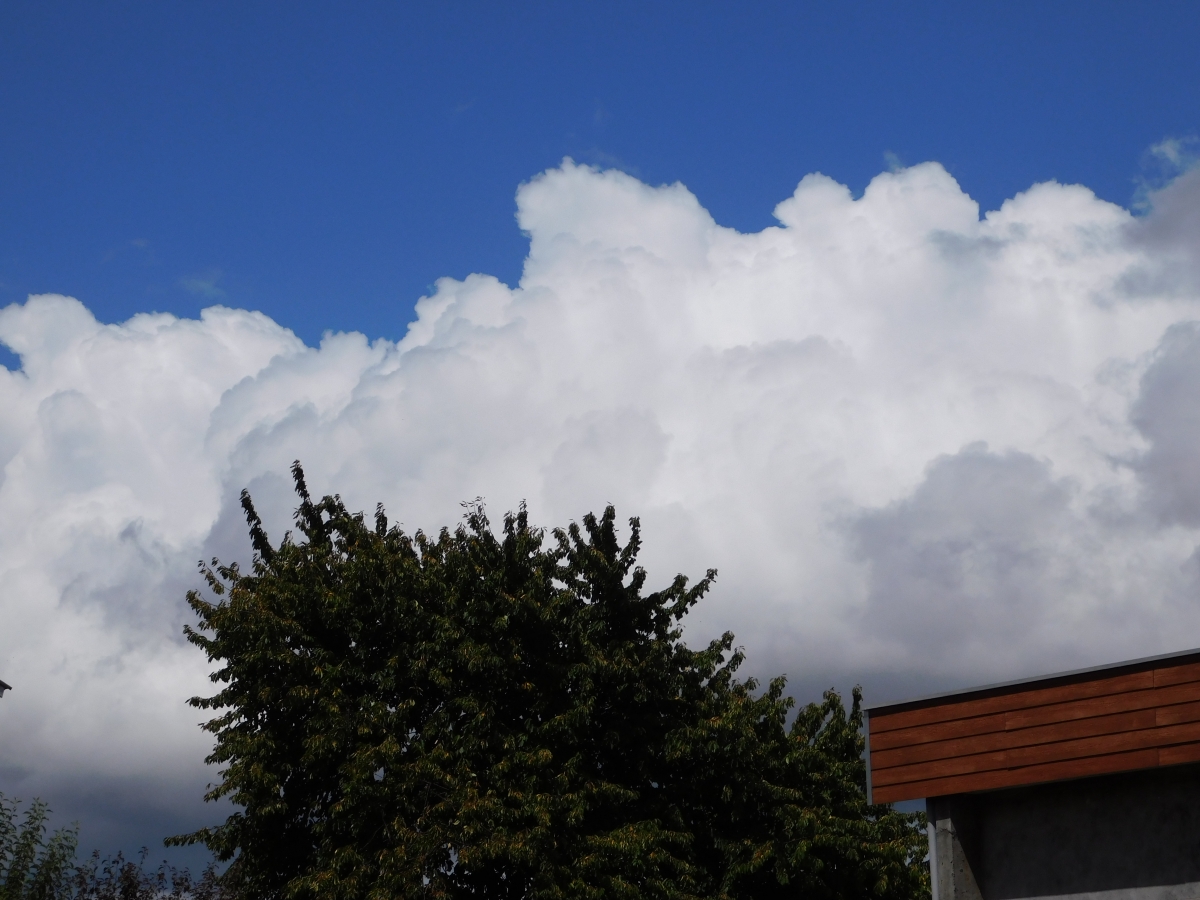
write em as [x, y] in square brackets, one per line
[1037, 732]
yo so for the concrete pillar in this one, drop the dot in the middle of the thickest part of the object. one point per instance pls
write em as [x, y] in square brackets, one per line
[1132, 836]
[953, 839]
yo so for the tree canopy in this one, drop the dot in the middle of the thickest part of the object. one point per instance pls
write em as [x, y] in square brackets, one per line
[514, 715]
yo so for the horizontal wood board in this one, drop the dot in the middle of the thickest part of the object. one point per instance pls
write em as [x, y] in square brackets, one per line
[1135, 716]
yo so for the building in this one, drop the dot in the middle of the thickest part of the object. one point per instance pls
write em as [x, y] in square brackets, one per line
[1078, 785]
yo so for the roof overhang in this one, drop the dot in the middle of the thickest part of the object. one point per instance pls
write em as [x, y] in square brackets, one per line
[1137, 714]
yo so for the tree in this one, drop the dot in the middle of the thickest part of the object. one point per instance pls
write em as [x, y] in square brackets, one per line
[32, 867]
[510, 716]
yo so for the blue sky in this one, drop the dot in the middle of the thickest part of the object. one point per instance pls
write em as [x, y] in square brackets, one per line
[924, 451]
[326, 163]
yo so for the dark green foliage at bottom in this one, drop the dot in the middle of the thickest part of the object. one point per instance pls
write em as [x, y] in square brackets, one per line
[33, 867]
[118, 878]
[512, 715]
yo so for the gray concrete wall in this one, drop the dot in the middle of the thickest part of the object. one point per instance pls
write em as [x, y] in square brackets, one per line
[1132, 836]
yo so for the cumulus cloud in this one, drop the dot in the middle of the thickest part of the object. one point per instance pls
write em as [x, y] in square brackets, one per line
[923, 447]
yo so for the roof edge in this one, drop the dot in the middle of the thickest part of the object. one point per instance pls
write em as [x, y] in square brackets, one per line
[1002, 687]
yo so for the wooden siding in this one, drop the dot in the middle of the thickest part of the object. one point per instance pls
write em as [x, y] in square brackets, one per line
[1137, 716]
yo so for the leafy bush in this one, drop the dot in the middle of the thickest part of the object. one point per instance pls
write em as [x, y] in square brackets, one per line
[32, 867]
[118, 878]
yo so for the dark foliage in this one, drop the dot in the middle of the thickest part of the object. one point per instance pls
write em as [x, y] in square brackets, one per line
[509, 716]
[33, 867]
[118, 878]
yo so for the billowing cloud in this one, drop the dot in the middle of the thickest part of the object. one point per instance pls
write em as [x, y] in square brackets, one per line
[923, 447]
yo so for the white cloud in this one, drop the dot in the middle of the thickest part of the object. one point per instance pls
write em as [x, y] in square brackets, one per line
[920, 445]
